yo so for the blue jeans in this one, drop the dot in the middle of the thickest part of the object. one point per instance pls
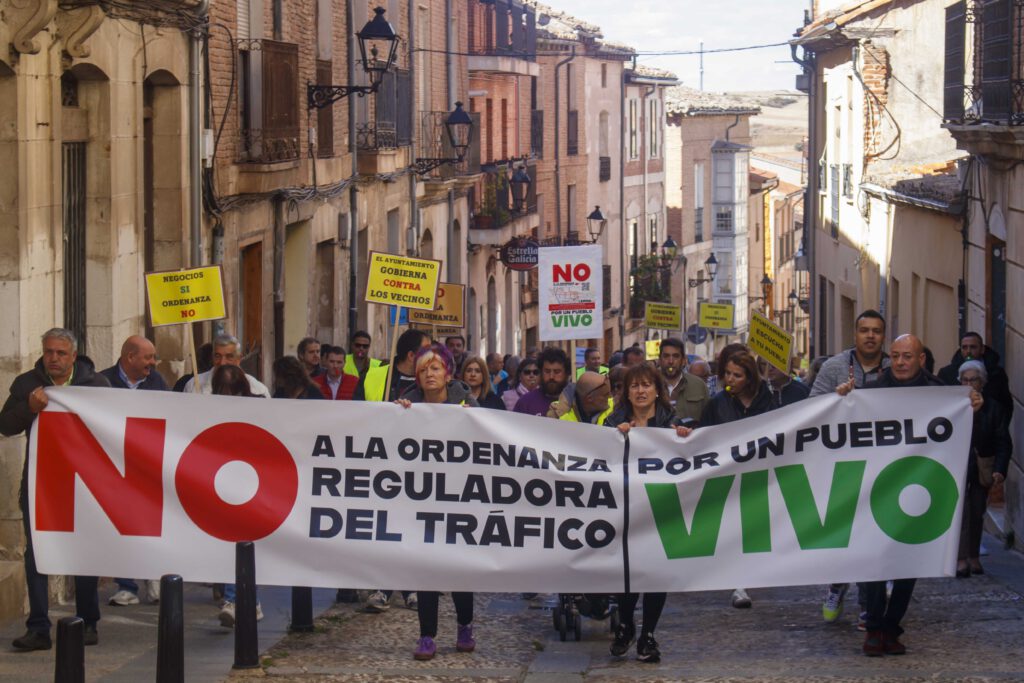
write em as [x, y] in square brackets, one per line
[127, 585]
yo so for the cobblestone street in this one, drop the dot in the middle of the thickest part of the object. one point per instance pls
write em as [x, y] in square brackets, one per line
[957, 630]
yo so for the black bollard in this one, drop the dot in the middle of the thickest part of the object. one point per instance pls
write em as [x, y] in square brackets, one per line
[70, 663]
[247, 651]
[302, 610]
[170, 638]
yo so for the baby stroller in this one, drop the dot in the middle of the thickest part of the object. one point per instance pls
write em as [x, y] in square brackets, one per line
[570, 609]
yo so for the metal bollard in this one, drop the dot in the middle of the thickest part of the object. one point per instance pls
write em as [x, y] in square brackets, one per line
[302, 610]
[69, 666]
[170, 643]
[247, 651]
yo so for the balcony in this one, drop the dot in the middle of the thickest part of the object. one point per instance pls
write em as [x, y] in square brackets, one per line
[268, 102]
[648, 282]
[496, 219]
[503, 37]
[434, 144]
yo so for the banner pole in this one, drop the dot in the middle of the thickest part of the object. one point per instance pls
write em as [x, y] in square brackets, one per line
[192, 352]
[391, 356]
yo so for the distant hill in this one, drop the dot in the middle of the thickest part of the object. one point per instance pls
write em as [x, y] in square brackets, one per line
[781, 127]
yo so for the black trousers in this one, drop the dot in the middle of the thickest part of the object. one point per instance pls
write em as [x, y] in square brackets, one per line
[426, 608]
[975, 502]
[654, 603]
[87, 599]
[886, 614]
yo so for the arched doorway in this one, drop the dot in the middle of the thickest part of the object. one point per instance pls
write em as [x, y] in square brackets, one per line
[427, 245]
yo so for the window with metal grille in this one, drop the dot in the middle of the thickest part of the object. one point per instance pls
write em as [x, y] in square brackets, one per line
[537, 133]
[269, 105]
[953, 88]
[73, 193]
[698, 224]
[573, 133]
[848, 181]
[833, 192]
[324, 116]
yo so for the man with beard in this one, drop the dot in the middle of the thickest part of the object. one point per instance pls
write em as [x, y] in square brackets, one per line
[554, 380]
[997, 388]
[687, 394]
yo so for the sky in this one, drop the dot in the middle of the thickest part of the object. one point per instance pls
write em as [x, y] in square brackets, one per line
[676, 25]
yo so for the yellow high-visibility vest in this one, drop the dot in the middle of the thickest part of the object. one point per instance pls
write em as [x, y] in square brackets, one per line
[350, 365]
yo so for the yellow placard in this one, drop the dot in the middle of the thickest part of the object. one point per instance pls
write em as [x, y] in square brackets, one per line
[185, 296]
[663, 316]
[402, 281]
[653, 349]
[717, 316]
[770, 341]
[450, 313]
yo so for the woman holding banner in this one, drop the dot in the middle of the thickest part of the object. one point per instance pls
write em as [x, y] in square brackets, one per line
[644, 403]
[478, 378]
[435, 367]
[527, 379]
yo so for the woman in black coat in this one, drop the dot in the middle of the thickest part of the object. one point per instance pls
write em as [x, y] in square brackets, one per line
[644, 403]
[476, 376]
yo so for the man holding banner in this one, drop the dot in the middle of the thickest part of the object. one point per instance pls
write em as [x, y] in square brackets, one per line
[59, 366]
[885, 612]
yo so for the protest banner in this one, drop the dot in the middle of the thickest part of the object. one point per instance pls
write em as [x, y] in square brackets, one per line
[449, 315]
[402, 281]
[570, 293]
[663, 316]
[770, 341]
[717, 316]
[436, 497]
[185, 296]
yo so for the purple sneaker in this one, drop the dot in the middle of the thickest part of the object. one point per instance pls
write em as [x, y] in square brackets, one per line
[425, 649]
[465, 641]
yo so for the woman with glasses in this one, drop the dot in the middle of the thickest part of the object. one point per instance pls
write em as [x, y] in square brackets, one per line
[991, 447]
[644, 403]
[527, 379]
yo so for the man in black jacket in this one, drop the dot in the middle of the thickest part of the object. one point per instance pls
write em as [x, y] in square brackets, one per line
[885, 613]
[972, 347]
[59, 366]
[135, 369]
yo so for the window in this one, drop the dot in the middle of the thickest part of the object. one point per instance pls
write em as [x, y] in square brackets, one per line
[634, 147]
[604, 75]
[652, 224]
[653, 130]
[698, 201]
[723, 218]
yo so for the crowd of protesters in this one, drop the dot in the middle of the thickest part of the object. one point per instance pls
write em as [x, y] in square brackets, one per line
[675, 391]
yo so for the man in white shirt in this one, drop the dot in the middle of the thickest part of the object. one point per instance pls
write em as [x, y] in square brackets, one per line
[227, 350]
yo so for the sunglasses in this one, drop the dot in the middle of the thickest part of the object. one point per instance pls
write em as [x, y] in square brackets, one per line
[361, 346]
[530, 372]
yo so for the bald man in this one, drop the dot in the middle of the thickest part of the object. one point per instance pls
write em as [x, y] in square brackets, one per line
[884, 613]
[135, 369]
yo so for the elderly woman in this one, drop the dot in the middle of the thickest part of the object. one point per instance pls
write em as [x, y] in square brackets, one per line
[435, 367]
[644, 403]
[991, 448]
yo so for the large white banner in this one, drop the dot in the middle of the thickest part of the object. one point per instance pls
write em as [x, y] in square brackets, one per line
[570, 292]
[370, 495]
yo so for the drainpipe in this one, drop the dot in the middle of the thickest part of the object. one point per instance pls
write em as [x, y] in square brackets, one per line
[623, 239]
[453, 248]
[558, 144]
[279, 237]
[414, 207]
[643, 156]
[195, 140]
[353, 191]
[731, 126]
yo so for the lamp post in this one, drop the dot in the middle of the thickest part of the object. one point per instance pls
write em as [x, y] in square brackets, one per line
[376, 38]
[520, 182]
[711, 264]
[459, 130]
[595, 224]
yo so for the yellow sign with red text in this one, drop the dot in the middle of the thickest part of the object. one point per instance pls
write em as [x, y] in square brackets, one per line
[450, 314]
[663, 316]
[717, 316]
[185, 296]
[402, 281]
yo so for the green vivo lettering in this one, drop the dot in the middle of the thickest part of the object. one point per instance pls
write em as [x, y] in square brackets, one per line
[811, 532]
[885, 500]
[702, 537]
[755, 515]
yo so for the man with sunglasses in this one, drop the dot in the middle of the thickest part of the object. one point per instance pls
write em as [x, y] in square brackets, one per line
[358, 362]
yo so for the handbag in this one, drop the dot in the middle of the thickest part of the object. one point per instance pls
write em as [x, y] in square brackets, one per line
[986, 468]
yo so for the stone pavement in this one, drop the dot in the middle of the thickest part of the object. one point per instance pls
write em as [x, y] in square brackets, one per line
[957, 630]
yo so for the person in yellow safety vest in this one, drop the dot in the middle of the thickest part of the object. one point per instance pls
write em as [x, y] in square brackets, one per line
[358, 361]
[593, 400]
[592, 362]
[371, 387]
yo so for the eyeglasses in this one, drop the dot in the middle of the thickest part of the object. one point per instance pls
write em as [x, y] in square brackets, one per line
[530, 372]
[969, 380]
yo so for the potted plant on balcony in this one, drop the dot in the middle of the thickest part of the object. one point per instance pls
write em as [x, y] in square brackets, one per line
[650, 283]
[493, 211]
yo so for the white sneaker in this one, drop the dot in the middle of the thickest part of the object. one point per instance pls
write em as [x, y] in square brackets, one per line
[123, 598]
[740, 599]
[411, 601]
[377, 602]
[152, 591]
[227, 615]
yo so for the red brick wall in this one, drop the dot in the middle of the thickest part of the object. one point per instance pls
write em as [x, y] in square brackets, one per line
[875, 71]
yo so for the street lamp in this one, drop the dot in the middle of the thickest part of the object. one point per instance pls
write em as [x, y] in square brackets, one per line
[711, 264]
[766, 285]
[459, 129]
[595, 223]
[377, 37]
[520, 183]
[669, 250]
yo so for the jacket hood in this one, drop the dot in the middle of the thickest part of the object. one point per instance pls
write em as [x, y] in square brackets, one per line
[85, 371]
